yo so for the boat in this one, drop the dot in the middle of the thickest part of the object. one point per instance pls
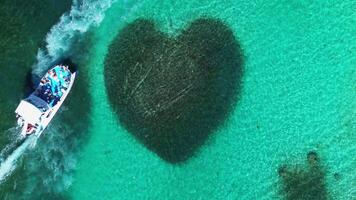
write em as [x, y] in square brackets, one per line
[35, 112]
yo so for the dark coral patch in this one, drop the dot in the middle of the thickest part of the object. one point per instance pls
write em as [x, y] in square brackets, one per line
[304, 183]
[171, 93]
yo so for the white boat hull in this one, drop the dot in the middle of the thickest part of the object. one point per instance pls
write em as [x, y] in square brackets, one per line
[37, 111]
[52, 112]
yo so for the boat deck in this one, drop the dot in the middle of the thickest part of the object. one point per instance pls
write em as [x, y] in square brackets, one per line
[53, 85]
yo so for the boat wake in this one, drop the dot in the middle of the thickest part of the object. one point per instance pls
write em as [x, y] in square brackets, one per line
[12, 152]
[48, 167]
[83, 15]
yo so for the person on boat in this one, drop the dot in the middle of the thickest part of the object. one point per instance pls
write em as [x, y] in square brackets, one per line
[62, 76]
[43, 81]
[51, 101]
[54, 82]
[30, 129]
[66, 72]
[56, 99]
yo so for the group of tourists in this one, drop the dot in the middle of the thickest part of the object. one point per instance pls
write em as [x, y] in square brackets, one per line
[54, 84]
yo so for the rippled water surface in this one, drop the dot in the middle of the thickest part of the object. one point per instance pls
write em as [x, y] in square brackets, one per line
[290, 134]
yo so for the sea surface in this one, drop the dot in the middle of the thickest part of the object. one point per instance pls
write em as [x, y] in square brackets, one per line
[297, 100]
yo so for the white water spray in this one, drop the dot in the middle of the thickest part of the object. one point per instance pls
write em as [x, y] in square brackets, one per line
[55, 155]
[83, 15]
[9, 164]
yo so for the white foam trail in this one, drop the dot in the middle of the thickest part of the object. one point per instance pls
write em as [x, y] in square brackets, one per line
[83, 15]
[56, 156]
[9, 164]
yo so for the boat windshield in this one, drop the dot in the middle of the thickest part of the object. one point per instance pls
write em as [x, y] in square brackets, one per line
[53, 85]
[38, 102]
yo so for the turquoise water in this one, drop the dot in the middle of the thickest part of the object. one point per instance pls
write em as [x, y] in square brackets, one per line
[298, 95]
